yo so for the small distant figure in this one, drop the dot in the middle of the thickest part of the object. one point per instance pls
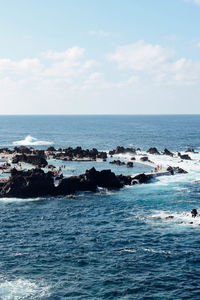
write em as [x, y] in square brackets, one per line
[194, 213]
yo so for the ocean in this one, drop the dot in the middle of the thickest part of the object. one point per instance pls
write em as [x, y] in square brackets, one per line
[110, 244]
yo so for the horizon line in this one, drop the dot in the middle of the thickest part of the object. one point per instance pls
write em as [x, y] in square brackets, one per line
[144, 114]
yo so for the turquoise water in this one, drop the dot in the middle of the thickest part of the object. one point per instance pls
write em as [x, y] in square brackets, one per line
[112, 244]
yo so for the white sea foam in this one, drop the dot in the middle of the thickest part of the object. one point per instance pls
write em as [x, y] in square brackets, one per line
[130, 250]
[183, 218]
[21, 200]
[22, 289]
[157, 251]
[191, 166]
[31, 141]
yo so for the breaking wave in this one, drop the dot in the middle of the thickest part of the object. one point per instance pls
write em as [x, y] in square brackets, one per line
[31, 141]
[183, 218]
[22, 289]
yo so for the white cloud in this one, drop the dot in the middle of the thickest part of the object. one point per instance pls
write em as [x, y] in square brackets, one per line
[26, 65]
[198, 45]
[72, 78]
[71, 54]
[156, 63]
[69, 63]
[96, 81]
[140, 56]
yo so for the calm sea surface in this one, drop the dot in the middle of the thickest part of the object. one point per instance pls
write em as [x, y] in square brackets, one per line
[108, 245]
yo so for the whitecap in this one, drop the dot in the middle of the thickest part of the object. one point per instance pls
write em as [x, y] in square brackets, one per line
[182, 218]
[31, 141]
[20, 200]
[157, 251]
[128, 250]
[22, 289]
[131, 250]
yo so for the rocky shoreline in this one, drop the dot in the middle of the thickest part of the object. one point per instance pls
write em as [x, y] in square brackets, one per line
[36, 182]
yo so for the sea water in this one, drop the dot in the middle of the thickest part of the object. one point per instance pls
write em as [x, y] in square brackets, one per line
[111, 244]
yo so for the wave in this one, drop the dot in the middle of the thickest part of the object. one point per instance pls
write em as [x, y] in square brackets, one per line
[31, 141]
[22, 289]
[131, 250]
[21, 200]
[183, 218]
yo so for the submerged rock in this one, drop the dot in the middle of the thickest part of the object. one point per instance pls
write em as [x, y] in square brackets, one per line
[190, 150]
[129, 164]
[169, 217]
[144, 158]
[117, 162]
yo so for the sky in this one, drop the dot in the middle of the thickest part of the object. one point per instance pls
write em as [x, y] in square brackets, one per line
[100, 57]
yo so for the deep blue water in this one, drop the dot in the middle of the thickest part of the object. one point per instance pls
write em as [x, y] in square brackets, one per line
[108, 245]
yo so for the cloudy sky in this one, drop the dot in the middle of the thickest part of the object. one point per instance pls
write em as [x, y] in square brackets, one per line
[99, 56]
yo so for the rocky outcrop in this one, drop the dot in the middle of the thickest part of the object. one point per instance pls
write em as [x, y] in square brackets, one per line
[104, 178]
[37, 183]
[51, 149]
[23, 150]
[122, 150]
[36, 160]
[194, 212]
[124, 180]
[32, 183]
[89, 182]
[142, 178]
[184, 156]
[190, 150]
[6, 150]
[153, 150]
[77, 153]
[174, 170]
[167, 152]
